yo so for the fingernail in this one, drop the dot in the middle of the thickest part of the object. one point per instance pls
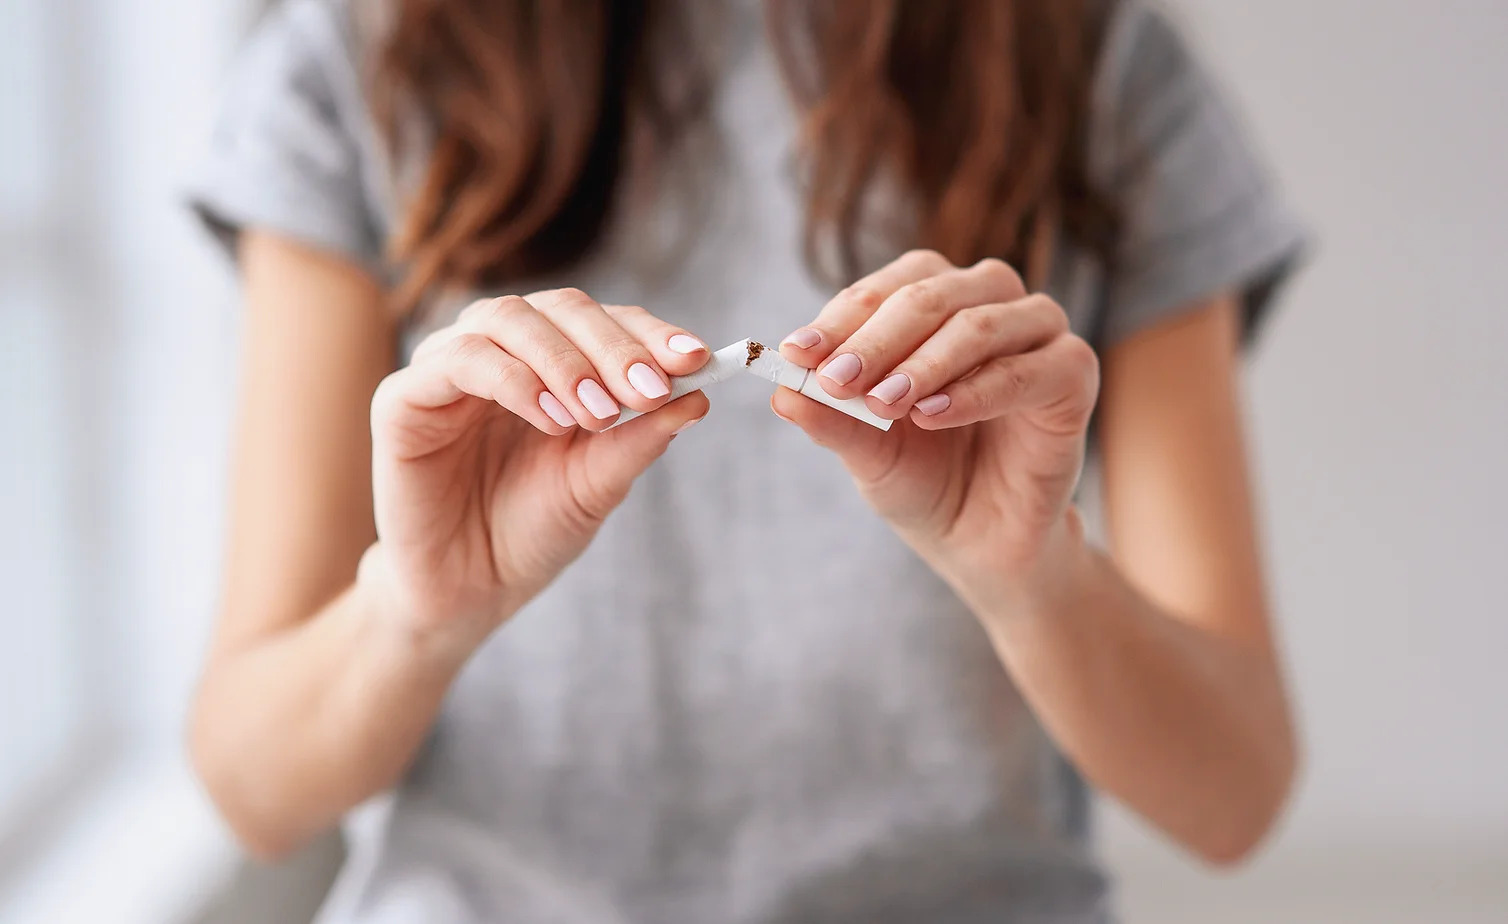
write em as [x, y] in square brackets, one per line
[557, 412]
[683, 343]
[934, 405]
[646, 382]
[688, 425]
[893, 389]
[597, 401]
[803, 339]
[843, 369]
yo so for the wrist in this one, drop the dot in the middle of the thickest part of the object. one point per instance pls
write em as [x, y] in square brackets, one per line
[439, 642]
[1041, 585]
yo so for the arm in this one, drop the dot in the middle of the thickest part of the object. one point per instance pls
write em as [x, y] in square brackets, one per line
[1157, 673]
[1158, 679]
[309, 701]
[478, 470]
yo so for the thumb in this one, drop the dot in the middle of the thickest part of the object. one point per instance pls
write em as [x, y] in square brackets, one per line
[615, 458]
[864, 450]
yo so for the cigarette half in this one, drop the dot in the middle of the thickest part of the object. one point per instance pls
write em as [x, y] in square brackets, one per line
[772, 367]
[724, 365]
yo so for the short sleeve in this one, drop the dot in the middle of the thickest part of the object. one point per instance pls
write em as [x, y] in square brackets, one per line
[1198, 212]
[283, 155]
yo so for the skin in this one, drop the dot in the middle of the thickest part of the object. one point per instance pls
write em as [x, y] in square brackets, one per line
[351, 601]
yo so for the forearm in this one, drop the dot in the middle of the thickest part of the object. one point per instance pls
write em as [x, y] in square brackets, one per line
[294, 730]
[1188, 728]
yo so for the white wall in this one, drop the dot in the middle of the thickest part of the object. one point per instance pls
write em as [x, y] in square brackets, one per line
[127, 367]
[176, 352]
[1381, 417]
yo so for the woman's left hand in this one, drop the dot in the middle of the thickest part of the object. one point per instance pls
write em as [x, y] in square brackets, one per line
[992, 396]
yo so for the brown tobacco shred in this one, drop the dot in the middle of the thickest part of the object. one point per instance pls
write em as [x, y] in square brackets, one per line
[755, 348]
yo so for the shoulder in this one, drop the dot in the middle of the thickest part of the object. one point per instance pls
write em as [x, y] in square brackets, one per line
[1199, 213]
[313, 48]
[294, 148]
[1142, 46]
[1146, 72]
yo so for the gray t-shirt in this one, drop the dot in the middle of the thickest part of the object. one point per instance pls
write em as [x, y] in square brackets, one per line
[748, 701]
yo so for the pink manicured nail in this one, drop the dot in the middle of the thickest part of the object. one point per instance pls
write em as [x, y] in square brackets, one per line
[688, 425]
[597, 401]
[934, 405]
[682, 343]
[843, 369]
[803, 339]
[893, 389]
[551, 405]
[646, 382]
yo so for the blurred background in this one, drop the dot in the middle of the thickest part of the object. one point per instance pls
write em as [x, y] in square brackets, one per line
[1379, 398]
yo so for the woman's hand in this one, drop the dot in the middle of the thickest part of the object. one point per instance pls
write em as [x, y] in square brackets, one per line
[996, 396]
[487, 479]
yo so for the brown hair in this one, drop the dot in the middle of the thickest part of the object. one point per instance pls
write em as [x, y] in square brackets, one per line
[977, 108]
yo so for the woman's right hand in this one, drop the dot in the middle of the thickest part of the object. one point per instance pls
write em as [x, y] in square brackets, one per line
[488, 475]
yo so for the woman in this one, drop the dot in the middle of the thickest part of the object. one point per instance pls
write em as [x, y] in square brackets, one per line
[852, 681]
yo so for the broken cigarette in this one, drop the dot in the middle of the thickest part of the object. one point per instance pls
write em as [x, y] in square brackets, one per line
[754, 357]
[772, 367]
[724, 365]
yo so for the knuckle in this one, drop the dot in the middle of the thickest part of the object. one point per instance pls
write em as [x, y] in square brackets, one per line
[927, 371]
[1082, 358]
[508, 306]
[928, 259]
[1000, 273]
[968, 399]
[621, 352]
[925, 298]
[468, 348]
[863, 298]
[1014, 382]
[1048, 310]
[514, 375]
[570, 299]
[626, 311]
[980, 322]
[495, 314]
[566, 362]
[1004, 384]
[385, 397]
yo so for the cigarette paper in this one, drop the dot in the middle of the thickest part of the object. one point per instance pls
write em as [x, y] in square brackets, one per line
[772, 367]
[724, 365]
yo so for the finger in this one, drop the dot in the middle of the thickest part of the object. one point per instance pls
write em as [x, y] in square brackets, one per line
[614, 459]
[907, 318]
[864, 449]
[467, 319]
[432, 344]
[966, 341]
[470, 365]
[1060, 380]
[513, 324]
[840, 317]
[677, 351]
[625, 365]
